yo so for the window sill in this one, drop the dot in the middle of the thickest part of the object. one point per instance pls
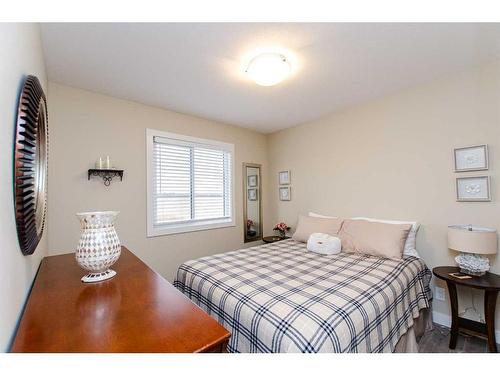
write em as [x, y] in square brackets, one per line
[186, 228]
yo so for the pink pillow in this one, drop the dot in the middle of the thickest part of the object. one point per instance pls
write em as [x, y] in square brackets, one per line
[308, 225]
[374, 238]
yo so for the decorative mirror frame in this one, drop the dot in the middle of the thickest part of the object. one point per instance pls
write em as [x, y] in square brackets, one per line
[30, 164]
[245, 198]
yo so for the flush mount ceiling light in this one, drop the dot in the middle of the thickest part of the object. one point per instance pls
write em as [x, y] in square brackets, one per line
[268, 69]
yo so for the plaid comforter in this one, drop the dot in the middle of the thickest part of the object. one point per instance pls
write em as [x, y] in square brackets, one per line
[281, 298]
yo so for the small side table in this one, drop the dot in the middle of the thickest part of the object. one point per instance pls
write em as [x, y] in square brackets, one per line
[490, 283]
[271, 239]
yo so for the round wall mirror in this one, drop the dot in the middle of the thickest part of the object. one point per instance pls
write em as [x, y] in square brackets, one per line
[30, 165]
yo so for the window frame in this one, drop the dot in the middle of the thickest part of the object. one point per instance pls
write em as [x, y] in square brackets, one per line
[190, 225]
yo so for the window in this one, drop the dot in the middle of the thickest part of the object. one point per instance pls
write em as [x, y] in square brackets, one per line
[190, 183]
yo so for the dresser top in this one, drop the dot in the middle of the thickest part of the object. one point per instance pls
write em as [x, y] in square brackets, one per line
[135, 311]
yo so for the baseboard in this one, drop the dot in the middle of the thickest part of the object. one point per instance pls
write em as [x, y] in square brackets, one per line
[442, 319]
[445, 320]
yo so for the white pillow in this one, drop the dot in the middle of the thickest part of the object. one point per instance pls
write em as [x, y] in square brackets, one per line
[323, 243]
[411, 241]
[312, 214]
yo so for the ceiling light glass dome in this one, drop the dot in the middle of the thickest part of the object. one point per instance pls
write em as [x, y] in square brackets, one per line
[268, 69]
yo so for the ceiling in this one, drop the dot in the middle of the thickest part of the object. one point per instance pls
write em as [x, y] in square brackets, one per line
[198, 68]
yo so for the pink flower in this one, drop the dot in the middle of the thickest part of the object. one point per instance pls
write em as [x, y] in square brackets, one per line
[282, 227]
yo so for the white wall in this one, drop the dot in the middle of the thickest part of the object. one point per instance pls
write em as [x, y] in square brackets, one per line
[392, 158]
[22, 56]
[86, 125]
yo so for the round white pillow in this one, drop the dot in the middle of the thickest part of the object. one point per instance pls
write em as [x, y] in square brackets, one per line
[323, 243]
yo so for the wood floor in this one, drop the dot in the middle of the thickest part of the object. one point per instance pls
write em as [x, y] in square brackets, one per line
[437, 340]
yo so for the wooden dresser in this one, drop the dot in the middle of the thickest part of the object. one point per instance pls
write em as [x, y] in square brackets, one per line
[136, 311]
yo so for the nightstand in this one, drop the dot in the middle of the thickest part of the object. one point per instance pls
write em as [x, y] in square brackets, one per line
[271, 239]
[490, 283]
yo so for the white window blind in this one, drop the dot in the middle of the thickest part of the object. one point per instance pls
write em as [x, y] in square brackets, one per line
[191, 185]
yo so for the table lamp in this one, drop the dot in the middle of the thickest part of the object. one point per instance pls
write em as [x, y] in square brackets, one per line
[472, 243]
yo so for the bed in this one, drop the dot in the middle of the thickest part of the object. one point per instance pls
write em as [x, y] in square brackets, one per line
[279, 297]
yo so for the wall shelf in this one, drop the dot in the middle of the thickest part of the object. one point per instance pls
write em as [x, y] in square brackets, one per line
[106, 174]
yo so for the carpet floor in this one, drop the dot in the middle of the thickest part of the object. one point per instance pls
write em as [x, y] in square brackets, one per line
[437, 341]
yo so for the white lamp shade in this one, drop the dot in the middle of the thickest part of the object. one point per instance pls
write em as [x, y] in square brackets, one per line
[469, 239]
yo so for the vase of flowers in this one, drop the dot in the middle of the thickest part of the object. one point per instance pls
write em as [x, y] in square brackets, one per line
[281, 228]
[251, 232]
[249, 224]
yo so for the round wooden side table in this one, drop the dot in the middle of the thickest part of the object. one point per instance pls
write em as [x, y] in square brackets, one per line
[271, 239]
[490, 283]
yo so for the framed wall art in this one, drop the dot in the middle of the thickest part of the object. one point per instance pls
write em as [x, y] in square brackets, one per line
[253, 194]
[253, 180]
[284, 177]
[473, 158]
[285, 193]
[473, 189]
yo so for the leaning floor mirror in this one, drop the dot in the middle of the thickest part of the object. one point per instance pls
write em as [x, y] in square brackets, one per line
[252, 208]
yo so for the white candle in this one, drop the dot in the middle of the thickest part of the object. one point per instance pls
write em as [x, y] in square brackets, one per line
[98, 163]
[108, 162]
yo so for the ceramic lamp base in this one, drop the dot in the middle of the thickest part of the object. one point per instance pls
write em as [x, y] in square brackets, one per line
[94, 277]
[472, 273]
[473, 264]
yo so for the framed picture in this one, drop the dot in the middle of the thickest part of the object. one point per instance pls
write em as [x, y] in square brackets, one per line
[253, 180]
[284, 178]
[473, 158]
[473, 189]
[253, 194]
[285, 194]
